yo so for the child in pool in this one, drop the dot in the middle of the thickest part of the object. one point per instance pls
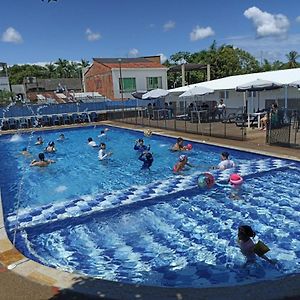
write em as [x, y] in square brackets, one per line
[183, 161]
[247, 246]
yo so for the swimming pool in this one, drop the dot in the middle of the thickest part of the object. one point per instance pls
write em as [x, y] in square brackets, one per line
[115, 222]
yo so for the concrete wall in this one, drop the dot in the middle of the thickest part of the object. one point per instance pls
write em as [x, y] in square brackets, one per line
[141, 79]
[4, 84]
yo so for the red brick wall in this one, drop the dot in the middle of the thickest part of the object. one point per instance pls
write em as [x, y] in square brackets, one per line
[99, 79]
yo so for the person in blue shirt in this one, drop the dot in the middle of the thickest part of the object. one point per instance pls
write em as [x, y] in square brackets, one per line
[147, 158]
[139, 146]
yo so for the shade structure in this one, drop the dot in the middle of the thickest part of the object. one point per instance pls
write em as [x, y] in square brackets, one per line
[259, 85]
[154, 94]
[295, 84]
[138, 94]
[196, 91]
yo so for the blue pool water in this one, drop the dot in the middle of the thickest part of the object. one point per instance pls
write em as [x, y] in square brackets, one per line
[187, 237]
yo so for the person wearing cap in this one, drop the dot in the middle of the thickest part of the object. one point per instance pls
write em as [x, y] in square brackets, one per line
[42, 162]
[236, 182]
[183, 161]
[225, 163]
[139, 146]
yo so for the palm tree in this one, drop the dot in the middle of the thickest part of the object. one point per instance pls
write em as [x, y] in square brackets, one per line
[62, 65]
[84, 63]
[51, 70]
[292, 57]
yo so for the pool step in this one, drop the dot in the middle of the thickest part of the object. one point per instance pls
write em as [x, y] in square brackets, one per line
[157, 191]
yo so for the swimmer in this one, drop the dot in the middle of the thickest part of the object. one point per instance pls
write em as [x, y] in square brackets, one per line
[179, 145]
[61, 137]
[25, 152]
[236, 182]
[139, 146]
[148, 132]
[50, 148]
[102, 155]
[102, 134]
[42, 162]
[39, 141]
[225, 163]
[147, 158]
[92, 143]
[183, 161]
[247, 246]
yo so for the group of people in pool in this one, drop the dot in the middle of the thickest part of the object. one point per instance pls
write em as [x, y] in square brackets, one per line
[50, 148]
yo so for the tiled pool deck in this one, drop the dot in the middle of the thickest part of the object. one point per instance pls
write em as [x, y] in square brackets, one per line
[41, 282]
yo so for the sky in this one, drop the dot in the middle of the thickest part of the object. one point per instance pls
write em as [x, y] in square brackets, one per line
[35, 31]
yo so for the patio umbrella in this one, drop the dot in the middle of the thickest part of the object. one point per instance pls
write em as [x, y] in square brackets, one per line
[157, 93]
[138, 94]
[258, 85]
[295, 84]
[197, 91]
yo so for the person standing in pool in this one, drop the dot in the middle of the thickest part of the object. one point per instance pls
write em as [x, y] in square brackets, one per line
[147, 159]
[183, 161]
[102, 155]
[248, 247]
[225, 163]
[139, 146]
[50, 148]
[92, 143]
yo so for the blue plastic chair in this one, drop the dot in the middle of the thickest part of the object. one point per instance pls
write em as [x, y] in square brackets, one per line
[12, 123]
[84, 117]
[93, 116]
[23, 123]
[66, 119]
[55, 120]
[75, 118]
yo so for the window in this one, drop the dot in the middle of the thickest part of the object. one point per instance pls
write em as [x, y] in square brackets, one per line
[154, 83]
[224, 94]
[128, 85]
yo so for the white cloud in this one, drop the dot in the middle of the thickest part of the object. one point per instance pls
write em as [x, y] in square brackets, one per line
[169, 25]
[271, 48]
[298, 19]
[267, 24]
[200, 33]
[92, 36]
[11, 35]
[133, 52]
[163, 58]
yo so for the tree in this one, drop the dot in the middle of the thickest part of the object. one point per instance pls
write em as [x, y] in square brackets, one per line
[84, 63]
[62, 67]
[292, 57]
[51, 68]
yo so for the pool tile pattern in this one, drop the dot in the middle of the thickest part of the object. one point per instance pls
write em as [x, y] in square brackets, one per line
[176, 186]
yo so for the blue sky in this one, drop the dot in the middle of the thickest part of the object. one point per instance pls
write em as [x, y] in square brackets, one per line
[33, 31]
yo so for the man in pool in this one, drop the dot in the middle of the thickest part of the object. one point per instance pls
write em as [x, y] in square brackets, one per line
[225, 163]
[25, 152]
[42, 162]
[179, 145]
[50, 148]
[139, 146]
[102, 155]
[92, 143]
[39, 141]
[147, 159]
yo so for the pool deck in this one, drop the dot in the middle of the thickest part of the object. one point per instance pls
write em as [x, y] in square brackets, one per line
[30, 280]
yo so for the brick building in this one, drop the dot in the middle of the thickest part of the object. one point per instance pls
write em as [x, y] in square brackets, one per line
[117, 78]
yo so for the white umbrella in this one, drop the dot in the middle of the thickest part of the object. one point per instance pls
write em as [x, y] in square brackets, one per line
[157, 93]
[258, 85]
[295, 84]
[197, 91]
